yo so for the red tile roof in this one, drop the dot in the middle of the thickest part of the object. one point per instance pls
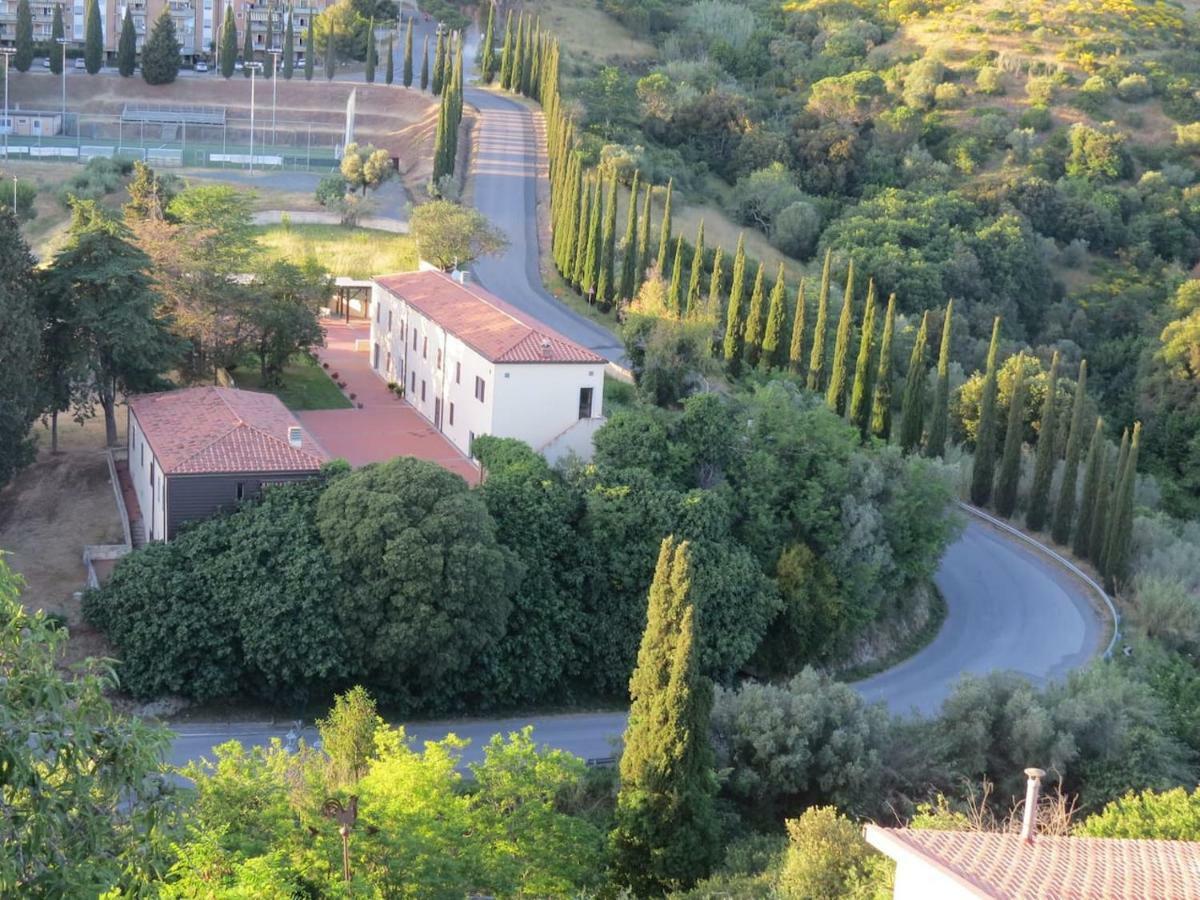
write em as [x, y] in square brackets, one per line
[1079, 868]
[208, 430]
[496, 330]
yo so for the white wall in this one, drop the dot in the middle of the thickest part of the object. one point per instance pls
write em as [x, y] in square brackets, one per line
[537, 402]
[915, 881]
[152, 501]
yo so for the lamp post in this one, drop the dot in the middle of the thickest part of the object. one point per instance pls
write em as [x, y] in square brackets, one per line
[275, 54]
[64, 42]
[8, 53]
[253, 67]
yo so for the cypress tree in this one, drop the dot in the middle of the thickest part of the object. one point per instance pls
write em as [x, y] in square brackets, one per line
[247, 50]
[1010, 460]
[675, 292]
[712, 305]
[664, 231]
[582, 232]
[571, 220]
[439, 64]
[1092, 473]
[816, 361]
[127, 47]
[160, 53]
[732, 346]
[629, 255]
[796, 346]
[289, 48]
[983, 471]
[1064, 511]
[1120, 530]
[755, 320]
[863, 388]
[1043, 467]
[389, 72]
[519, 55]
[372, 53]
[592, 273]
[330, 54]
[912, 406]
[1112, 507]
[606, 290]
[406, 77]
[1103, 502]
[506, 53]
[425, 63]
[773, 350]
[93, 40]
[940, 418]
[692, 306]
[443, 160]
[310, 50]
[23, 39]
[835, 395]
[488, 62]
[269, 37]
[643, 248]
[881, 403]
[666, 833]
[53, 48]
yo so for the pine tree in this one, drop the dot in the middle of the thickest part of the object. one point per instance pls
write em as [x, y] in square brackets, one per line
[506, 54]
[425, 63]
[127, 47]
[666, 833]
[23, 39]
[835, 394]
[864, 373]
[93, 41]
[406, 73]
[643, 248]
[983, 471]
[310, 51]
[664, 230]
[816, 361]
[487, 64]
[160, 54]
[248, 50]
[731, 348]
[629, 255]
[606, 284]
[1093, 472]
[939, 421]
[773, 350]
[372, 53]
[330, 55]
[796, 346]
[692, 305]
[582, 233]
[592, 266]
[389, 72]
[755, 320]
[1010, 460]
[675, 292]
[881, 403]
[712, 304]
[56, 36]
[1120, 536]
[289, 48]
[1064, 510]
[1043, 467]
[1104, 491]
[912, 405]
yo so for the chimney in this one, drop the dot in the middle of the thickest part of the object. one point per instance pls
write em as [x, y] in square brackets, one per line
[295, 436]
[545, 348]
[1032, 790]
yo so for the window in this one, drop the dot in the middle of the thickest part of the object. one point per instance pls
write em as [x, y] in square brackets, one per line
[458, 373]
[425, 348]
[389, 320]
[414, 339]
[378, 313]
[422, 390]
[480, 388]
[452, 413]
[439, 360]
[585, 403]
[471, 444]
[143, 449]
[241, 489]
[413, 389]
[152, 473]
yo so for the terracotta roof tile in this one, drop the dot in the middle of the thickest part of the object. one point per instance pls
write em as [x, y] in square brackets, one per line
[206, 430]
[495, 329]
[1063, 868]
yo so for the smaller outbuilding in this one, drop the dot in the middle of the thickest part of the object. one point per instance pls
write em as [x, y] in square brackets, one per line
[197, 451]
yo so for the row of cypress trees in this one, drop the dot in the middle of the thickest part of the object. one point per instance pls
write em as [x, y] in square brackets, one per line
[445, 144]
[93, 42]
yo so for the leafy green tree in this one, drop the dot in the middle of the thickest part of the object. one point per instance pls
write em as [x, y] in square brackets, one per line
[732, 346]
[365, 167]
[816, 360]
[772, 345]
[666, 829]
[1064, 510]
[692, 304]
[664, 229]
[835, 394]
[629, 254]
[310, 49]
[55, 49]
[796, 346]
[606, 282]
[20, 342]
[983, 469]
[1172, 815]
[487, 64]
[348, 735]
[127, 46]
[935, 445]
[675, 291]
[285, 319]
[23, 42]
[1043, 469]
[372, 54]
[407, 70]
[1093, 473]
[88, 804]
[1115, 567]
[881, 403]
[863, 388]
[160, 53]
[448, 234]
[1010, 461]
[827, 857]
[289, 47]
[912, 405]
[93, 39]
[756, 319]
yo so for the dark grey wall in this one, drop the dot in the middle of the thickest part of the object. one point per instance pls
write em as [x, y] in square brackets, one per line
[193, 497]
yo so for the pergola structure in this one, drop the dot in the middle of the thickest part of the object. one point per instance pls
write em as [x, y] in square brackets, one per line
[351, 296]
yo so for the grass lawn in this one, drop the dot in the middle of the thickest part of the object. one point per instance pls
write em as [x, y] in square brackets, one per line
[305, 385]
[354, 252]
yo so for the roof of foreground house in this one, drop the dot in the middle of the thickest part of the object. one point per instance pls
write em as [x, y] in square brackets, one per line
[493, 328]
[211, 430]
[1005, 865]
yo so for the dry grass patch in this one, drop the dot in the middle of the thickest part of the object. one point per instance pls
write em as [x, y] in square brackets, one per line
[587, 33]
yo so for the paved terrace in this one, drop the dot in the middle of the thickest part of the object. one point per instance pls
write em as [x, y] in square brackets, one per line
[386, 426]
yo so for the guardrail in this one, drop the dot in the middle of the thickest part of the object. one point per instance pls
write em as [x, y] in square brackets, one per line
[1061, 560]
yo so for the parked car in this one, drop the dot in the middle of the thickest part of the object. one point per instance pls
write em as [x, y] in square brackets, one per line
[237, 66]
[79, 63]
[46, 63]
[201, 66]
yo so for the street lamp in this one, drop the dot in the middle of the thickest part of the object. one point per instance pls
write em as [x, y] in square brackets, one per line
[64, 42]
[8, 53]
[254, 68]
[275, 54]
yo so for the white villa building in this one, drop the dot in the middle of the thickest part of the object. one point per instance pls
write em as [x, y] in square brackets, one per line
[473, 365]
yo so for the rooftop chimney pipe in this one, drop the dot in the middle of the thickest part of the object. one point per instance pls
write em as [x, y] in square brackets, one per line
[1032, 790]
